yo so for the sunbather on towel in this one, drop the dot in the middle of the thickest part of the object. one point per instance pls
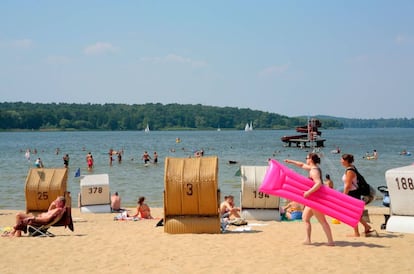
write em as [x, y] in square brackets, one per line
[227, 208]
[143, 210]
[293, 211]
[24, 219]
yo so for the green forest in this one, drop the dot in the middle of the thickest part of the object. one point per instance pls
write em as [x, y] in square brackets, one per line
[64, 116]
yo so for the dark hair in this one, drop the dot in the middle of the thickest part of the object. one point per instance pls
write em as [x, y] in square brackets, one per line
[315, 158]
[141, 200]
[348, 157]
[327, 176]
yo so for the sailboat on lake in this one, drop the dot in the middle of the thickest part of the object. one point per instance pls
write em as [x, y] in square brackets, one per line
[248, 127]
[147, 129]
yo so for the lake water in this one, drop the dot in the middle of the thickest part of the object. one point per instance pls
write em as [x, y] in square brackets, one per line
[132, 179]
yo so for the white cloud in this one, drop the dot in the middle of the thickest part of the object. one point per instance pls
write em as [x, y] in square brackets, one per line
[274, 70]
[99, 48]
[174, 58]
[401, 39]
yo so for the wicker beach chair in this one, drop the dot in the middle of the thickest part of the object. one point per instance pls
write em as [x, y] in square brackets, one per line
[191, 195]
[94, 195]
[42, 187]
[256, 205]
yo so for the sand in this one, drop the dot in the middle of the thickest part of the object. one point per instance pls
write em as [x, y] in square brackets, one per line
[101, 245]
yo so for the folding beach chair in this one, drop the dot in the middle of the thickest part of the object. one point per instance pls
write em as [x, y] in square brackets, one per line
[38, 229]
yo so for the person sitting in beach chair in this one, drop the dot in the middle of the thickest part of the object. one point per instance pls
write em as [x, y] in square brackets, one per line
[40, 223]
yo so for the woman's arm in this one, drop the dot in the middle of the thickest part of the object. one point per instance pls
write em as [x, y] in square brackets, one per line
[298, 164]
[136, 214]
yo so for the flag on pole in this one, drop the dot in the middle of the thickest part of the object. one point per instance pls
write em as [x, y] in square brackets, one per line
[77, 173]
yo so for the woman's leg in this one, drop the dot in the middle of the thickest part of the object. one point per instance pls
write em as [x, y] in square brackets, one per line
[325, 225]
[306, 216]
[367, 227]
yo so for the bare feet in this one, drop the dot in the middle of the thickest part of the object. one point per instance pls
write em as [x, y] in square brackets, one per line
[8, 234]
[307, 242]
[331, 244]
[353, 235]
[371, 232]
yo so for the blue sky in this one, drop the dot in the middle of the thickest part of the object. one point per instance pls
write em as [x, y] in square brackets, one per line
[346, 58]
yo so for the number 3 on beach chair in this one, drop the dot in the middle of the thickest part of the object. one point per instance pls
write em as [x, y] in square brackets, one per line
[191, 195]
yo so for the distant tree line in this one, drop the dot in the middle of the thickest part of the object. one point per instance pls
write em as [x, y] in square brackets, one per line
[377, 123]
[64, 116]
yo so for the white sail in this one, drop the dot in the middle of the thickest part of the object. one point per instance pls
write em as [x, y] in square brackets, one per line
[248, 127]
[147, 128]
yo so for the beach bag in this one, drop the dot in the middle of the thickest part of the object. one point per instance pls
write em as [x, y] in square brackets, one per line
[364, 190]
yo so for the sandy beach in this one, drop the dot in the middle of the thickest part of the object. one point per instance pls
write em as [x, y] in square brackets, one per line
[101, 245]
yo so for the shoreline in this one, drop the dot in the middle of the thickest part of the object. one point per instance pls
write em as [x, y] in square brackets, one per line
[101, 244]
